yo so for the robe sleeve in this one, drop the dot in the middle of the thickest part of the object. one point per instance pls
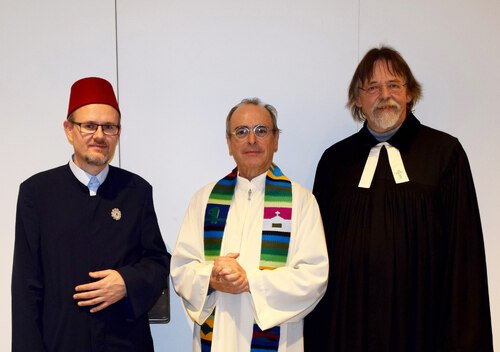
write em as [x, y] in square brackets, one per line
[317, 323]
[322, 189]
[149, 276]
[289, 293]
[27, 277]
[190, 272]
[466, 318]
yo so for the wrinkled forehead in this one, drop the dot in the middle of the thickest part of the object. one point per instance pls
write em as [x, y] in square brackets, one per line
[98, 113]
[383, 67]
[250, 115]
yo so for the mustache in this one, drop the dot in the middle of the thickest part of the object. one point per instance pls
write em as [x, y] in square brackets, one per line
[388, 103]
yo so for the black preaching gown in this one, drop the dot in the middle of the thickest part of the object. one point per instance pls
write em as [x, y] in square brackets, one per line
[408, 269]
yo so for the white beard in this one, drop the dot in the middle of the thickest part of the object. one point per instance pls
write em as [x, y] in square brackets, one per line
[386, 119]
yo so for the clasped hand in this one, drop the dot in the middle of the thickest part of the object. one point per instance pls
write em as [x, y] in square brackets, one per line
[228, 275]
[101, 293]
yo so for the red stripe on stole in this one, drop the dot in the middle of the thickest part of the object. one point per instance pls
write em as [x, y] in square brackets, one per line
[285, 213]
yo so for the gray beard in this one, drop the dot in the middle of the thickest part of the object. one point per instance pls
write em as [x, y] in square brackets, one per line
[386, 120]
[96, 161]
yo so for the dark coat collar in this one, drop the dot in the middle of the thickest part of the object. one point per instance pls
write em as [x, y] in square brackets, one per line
[402, 139]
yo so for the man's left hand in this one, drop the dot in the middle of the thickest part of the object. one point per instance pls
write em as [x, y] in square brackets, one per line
[102, 293]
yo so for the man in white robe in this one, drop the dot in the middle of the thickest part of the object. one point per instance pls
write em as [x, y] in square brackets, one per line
[233, 283]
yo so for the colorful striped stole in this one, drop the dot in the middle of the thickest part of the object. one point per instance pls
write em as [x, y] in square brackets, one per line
[276, 230]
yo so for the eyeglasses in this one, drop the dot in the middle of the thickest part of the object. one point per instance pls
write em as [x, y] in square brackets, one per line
[90, 127]
[259, 131]
[376, 89]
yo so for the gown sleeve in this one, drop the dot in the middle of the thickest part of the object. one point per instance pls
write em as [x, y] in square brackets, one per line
[465, 303]
[316, 331]
[27, 277]
[149, 276]
[190, 272]
[287, 294]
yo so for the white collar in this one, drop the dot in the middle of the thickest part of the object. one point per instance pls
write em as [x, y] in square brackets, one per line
[395, 161]
[257, 184]
[83, 176]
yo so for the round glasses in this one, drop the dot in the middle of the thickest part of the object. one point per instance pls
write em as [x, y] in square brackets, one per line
[90, 127]
[259, 131]
[376, 89]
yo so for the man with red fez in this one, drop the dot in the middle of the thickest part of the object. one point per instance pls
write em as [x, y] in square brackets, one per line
[408, 268]
[89, 258]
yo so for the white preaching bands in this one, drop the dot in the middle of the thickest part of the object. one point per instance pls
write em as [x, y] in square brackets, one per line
[397, 167]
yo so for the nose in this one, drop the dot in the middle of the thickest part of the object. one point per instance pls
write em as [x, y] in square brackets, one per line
[251, 137]
[384, 91]
[99, 133]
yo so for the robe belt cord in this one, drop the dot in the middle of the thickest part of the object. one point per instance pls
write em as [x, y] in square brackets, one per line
[395, 161]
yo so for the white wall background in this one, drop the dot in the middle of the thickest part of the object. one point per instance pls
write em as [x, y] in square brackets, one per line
[179, 65]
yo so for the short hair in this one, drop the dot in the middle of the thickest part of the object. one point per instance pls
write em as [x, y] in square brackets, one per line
[254, 101]
[395, 64]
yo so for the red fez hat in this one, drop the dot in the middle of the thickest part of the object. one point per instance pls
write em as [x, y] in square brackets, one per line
[91, 90]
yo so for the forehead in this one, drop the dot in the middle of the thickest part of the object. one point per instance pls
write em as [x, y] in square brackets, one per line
[250, 115]
[97, 113]
[384, 71]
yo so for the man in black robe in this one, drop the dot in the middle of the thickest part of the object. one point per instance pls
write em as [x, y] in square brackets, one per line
[89, 262]
[408, 268]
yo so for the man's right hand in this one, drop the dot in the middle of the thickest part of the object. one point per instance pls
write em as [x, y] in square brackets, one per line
[228, 275]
